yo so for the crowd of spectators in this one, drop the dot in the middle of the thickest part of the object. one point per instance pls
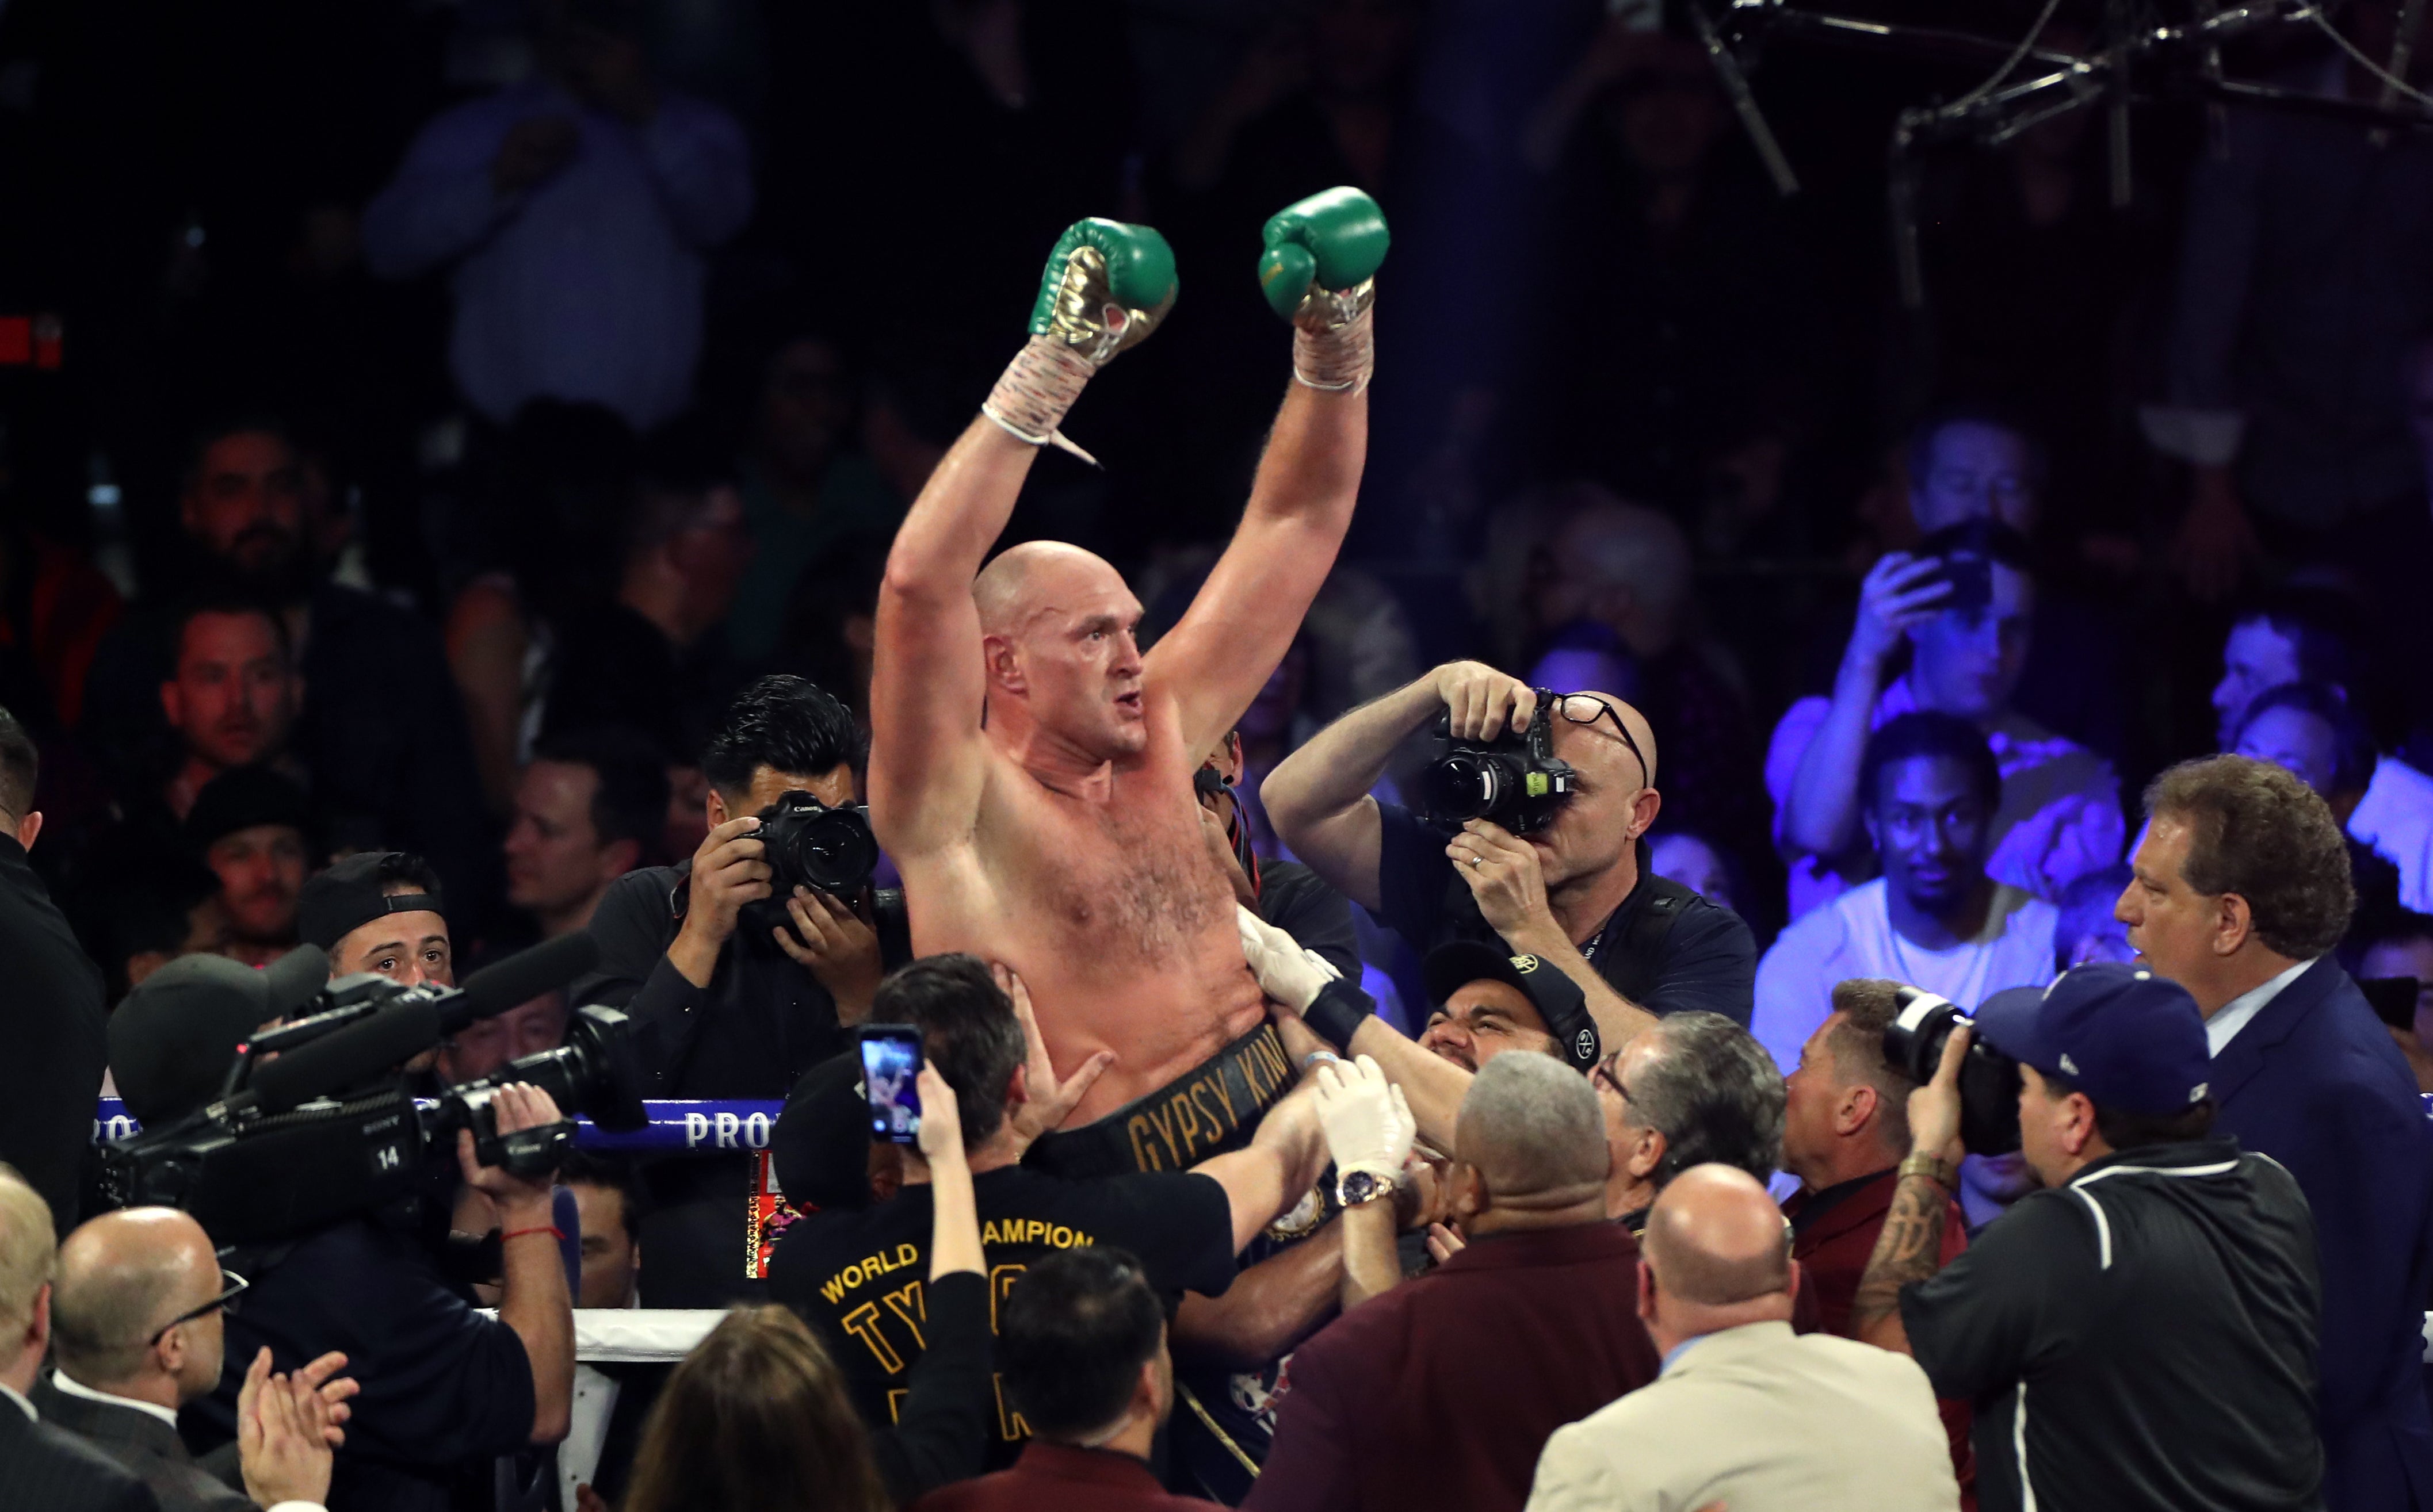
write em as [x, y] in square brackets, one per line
[446, 494]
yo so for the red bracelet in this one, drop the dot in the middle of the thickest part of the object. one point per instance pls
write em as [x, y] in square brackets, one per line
[552, 1231]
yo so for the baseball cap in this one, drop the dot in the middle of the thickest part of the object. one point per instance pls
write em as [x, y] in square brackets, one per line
[352, 893]
[1557, 997]
[2127, 1037]
[242, 798]
[173, 1039]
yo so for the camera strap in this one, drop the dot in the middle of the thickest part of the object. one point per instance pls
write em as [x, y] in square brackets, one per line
[1634, 975]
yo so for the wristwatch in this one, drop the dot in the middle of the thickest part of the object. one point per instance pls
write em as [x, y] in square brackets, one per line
[1361, 1187]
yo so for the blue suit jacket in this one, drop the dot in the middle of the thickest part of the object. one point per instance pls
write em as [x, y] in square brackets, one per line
[2315, 1081]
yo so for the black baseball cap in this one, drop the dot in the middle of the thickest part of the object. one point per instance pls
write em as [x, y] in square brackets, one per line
[242, 798]
[173, 1039]
[1557, 997]
[2129, 1039]
[353, 893]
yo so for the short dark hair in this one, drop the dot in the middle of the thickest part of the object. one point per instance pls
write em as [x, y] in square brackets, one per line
[2324, 626]
[2128, 1131]
[2260, 831]
[2353, 753]
[1868, 1005]
[227, 602]
[1072, 1336]
[1925, 733]
[676, 470]
[1919, 452]
[610, 1172]
[631, 798]
[216, 429]
[1714, 1095]
[783, 722]
[968, 1031]
[21, 765]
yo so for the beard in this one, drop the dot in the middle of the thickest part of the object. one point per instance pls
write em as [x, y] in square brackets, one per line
[265, 563]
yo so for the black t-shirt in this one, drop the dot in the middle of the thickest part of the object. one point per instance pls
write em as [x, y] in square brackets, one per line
[442, 1384]
[860, 1278]
[1304, 906]
[1706, 960]
[2142, 1338]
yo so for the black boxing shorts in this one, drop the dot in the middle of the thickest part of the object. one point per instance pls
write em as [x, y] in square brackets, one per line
[1209, 1110]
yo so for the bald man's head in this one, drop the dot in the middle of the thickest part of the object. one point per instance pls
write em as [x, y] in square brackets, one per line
[1064, 664]
[1715, 1238]
[1531, 1128]
[121, 1278]
[1022, 580]
[1584, 734]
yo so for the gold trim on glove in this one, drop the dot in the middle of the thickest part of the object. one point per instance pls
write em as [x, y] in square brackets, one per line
[1089, 320]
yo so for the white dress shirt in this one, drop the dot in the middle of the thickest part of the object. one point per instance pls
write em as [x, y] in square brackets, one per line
[2223, 1027]
[22, 1406]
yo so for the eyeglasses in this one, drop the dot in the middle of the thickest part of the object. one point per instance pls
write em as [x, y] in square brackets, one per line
[231, 1286]
[1600, 709]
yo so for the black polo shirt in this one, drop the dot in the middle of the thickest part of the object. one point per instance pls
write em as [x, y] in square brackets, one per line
[861, 1278]
[1706, 962]
[2142, 1338]
[442, 1384]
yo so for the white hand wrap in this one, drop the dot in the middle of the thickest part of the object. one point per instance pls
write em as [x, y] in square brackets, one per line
[1035, 390]
[1337, 358]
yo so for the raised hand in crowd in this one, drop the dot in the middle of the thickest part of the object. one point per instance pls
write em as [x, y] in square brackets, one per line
[532, 1297]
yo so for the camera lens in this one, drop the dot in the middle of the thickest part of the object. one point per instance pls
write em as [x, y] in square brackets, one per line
[1989, 1080]
[1463, 786]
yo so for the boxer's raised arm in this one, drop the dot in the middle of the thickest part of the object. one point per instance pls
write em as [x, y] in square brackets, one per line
[1318, 271]
[1105, 287]
[926, 682]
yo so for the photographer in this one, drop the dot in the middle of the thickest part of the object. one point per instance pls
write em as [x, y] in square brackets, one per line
[729, 999]
[442, 1384]
[1576, 893]
[2141, 1333]
[733, 993]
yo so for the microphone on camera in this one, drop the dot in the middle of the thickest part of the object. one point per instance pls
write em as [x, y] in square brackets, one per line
[346, 1056]
[520, 979]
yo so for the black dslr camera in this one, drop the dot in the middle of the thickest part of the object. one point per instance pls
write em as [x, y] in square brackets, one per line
[1514, 780]
[806, 844]
[1989, 1080]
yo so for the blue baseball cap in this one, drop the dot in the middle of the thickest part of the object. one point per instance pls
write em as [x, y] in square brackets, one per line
[2127, 1037]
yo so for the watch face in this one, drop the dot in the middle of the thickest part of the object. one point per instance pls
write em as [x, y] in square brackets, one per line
[1357, 1188]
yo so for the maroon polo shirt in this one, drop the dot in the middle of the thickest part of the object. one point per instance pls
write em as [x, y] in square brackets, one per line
[1067, 1479]
[1834, 1245]
[1442, 1392]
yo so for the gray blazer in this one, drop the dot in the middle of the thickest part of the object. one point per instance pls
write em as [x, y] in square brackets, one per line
[144, 1445]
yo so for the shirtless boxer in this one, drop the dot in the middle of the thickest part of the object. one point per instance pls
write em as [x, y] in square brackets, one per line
[1030, 769]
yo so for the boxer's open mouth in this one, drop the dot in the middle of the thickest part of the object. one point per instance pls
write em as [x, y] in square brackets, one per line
[1131, 700]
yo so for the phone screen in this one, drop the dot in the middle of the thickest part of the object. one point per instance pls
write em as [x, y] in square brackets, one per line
[891, 1060]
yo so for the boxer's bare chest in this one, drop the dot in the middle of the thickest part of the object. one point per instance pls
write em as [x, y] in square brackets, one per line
[1123, 877]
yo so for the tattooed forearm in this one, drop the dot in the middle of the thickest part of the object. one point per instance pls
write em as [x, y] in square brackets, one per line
[1910, 1249]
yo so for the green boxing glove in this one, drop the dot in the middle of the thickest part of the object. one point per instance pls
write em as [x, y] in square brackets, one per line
[1320, 272]
[1107, 285]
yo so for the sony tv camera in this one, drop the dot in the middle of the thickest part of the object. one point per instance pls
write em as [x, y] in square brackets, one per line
[317, 1120]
